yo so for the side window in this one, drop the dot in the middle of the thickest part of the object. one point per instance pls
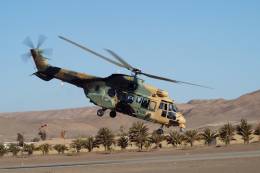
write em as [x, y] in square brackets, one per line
[145, 103]
[161, 105]
[152, 106]
[130, 99]
[138, 99]
[165, 106]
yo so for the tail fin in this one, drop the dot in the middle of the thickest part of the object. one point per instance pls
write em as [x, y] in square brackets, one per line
[41, 65]
[40, 61]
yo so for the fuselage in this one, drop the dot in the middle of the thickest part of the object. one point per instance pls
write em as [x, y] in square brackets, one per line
[131, 96]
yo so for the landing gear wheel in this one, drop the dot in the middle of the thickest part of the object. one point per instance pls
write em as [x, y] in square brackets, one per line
[112, 114]
[100, 112]
[159, 131]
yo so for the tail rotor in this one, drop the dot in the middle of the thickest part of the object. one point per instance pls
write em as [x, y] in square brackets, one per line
[29, 43]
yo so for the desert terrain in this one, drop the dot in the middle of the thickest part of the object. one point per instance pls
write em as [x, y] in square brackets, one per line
[79, 122]
[84, 121]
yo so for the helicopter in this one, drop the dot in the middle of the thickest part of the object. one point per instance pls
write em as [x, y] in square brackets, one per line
[127, 94]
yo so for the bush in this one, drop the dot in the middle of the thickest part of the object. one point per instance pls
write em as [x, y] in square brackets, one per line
[14, 149]
[77, 145]
[3, 150]
[60, 148]
[45, 148]
[29, 148]
[90, 143]
[147, 145]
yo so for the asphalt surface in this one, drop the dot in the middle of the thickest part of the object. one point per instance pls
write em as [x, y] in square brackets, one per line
[165, 161]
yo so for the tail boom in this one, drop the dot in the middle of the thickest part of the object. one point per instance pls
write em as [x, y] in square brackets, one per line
[47, 72]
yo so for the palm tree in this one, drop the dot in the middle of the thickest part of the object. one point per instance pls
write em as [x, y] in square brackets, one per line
[3, 150]
[245, 130]
[122, 142]
[90, 143]
[226, 133]
[138, 133]
[20, 139]
[77, 144]
[257, 131]
[190, 136]
[43, 135]
[156, 139]
[14, 149]
[208, 136]
[29, 148]
[105, 137]
[175, 138]
[60, 148]
[45, 148]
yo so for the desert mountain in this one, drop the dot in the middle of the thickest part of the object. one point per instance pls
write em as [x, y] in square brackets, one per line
[84, 121]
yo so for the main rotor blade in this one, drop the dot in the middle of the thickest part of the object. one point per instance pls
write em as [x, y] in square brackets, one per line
[128, 66]
[172, 80]
[93, 52]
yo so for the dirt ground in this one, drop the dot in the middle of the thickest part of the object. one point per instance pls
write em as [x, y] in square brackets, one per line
[234, 158]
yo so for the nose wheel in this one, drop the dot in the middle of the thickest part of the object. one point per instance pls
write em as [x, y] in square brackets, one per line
[101, 112]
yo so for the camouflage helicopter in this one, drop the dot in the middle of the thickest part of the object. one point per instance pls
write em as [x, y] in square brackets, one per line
[127, 94]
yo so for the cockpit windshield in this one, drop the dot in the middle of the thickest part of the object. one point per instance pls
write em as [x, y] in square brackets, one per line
[172, 107]
[169, 110]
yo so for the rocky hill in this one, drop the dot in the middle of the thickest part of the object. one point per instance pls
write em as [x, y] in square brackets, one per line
[84, 121]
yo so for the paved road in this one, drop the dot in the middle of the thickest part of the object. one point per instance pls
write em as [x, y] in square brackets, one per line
[144, 160]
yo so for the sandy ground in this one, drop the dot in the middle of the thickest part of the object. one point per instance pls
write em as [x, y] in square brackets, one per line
[234, 158]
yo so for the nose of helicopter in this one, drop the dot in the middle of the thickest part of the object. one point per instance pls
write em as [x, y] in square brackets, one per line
[181, 120]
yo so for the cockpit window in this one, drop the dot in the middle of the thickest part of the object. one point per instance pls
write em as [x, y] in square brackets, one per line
[173, 108]
[164, 106]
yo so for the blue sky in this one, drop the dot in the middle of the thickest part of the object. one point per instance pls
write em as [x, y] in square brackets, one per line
[214, 43]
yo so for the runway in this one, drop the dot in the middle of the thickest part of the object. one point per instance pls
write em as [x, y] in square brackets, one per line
[148, 163]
